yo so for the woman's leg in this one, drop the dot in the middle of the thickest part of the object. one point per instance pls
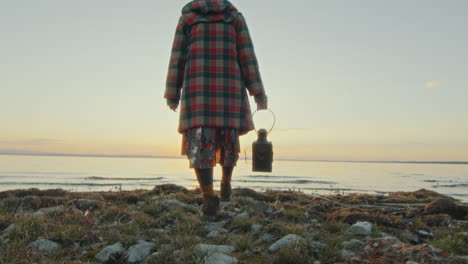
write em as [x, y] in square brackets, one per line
[226, 183]
[205, 180]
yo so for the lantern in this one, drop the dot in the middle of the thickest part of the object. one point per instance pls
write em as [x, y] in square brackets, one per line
[262, 153]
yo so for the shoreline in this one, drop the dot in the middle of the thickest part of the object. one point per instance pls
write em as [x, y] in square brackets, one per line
[255, 227]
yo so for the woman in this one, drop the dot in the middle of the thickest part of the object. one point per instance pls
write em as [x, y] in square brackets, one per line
[212, 67]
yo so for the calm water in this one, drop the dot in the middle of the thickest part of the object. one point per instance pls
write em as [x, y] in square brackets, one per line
[96, 173]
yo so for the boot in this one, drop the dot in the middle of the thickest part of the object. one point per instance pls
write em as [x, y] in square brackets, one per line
[225, 192]
[210, 207]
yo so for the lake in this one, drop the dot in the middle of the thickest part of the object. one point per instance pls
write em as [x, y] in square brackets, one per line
[312, 177]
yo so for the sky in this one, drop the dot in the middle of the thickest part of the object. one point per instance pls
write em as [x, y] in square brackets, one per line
[346, 80]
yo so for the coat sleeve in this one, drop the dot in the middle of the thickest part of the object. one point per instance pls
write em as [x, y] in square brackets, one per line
[247, 59]
[175, 75]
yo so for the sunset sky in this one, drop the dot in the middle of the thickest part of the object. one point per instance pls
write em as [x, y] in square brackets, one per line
[347, 80]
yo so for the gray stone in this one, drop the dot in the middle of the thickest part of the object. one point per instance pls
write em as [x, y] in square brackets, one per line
[411, 262]
[286, 241]
[317, 246]
[267, 237]
[391, 239]
[220, 258]
[425, 234]
[44, 245]
[347, 253]
[243, 215]
[174, 204]
[43, 211]
[86, 204]
[139, 252]
[141, 203]
[214, 234]
[353, 244]
[256, 227]
[411, 237]
[361, 228]
[206, 250]
[217, 226]
[159, 232]
[110, 253]
[6, 232]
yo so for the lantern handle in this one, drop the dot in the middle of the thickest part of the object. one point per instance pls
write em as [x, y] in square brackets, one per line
[274, 121]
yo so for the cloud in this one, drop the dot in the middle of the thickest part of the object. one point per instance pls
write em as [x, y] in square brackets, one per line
[433, 83]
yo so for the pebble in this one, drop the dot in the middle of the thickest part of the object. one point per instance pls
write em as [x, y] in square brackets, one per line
[206, 250]
[353, 244]
[214, 234]
[425, 234]
[174, 204]
[361, 228]
[220, 258]
[243, 215]
[285, 241]
[44, 245]
[317, 246]
[256, 227]
[139, 252]
[110, 252]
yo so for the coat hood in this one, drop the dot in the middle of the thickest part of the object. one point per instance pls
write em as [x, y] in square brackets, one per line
[209, 11]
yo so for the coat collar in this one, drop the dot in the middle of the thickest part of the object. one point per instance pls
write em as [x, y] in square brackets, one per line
[199, 11]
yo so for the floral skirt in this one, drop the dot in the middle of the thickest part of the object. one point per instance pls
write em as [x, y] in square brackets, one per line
[206, 146]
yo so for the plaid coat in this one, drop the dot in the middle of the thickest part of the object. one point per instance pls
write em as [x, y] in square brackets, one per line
[213, 67]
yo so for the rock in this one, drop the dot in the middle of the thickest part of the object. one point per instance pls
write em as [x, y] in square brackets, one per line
[411, 262]
[111, 253]
[219, 258]
[353, 244]
[86, 204]
[206, 250]
[391, 239]
[174, 204]
[317, 246]
[141, 203]
[411, 237]
[6, 232]
[361, 228]
[43, 211]
[214, 234]
[347, 253]
[139, 252]
[256, 227]
[243, 215]
[44, 245]
[215, 226]
[286, 241]
[159, 232]
[424, 234]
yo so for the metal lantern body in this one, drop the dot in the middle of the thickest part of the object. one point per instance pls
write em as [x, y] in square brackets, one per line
[262, 153]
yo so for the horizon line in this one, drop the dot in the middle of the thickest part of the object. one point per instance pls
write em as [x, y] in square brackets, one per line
[53, 154]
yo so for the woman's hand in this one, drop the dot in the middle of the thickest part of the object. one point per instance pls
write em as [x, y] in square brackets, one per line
[262, 105]
[173, 107]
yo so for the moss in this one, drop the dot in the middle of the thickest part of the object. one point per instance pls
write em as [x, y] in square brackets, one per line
[297, 254]
[332, 252]
[28, 228]
[115, 214]
[454, 241]
[282, 229]
[334, 227]
[243, 224]
[243, 243]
